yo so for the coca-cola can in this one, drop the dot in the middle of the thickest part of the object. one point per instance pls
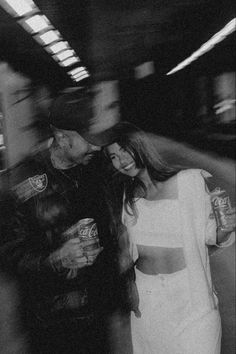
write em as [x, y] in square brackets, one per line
[221, 207]
[87, 230]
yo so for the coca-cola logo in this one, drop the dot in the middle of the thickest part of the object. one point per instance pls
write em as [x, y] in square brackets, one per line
[221, 202]
[93, 231]
[89, 231]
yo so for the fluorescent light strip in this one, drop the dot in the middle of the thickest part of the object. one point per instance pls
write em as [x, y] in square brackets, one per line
[65, 54]
[218, 37]
[20, 7]
[58, 47]
[69, 61]
[79, 74]
[76, 70]
[38, 23]
[50, 36]
[81, 77]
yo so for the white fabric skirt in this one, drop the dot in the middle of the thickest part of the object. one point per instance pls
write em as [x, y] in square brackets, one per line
[167, 324]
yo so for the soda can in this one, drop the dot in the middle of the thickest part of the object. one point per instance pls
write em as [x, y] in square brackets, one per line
[221, 206]
[87, 230]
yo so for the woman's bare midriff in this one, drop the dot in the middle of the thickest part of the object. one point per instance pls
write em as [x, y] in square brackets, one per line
[155, 260]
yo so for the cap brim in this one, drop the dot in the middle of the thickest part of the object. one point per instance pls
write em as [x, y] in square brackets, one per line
[103, 138]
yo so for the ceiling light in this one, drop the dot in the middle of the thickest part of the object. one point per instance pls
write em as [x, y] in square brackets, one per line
[79, 74]
[38, 23]
[20, 7]
[64, 55]
[58, 47]
[81, 77]
[69, 61]
[206, 47]
[50, 36]
[77, 70]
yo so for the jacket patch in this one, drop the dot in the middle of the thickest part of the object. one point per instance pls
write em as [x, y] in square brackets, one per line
[31, 187]
[39, 182]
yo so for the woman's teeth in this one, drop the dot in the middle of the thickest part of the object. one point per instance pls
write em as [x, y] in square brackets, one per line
[128, 167]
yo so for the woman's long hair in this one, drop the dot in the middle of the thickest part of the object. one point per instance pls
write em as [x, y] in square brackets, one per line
[143, 147]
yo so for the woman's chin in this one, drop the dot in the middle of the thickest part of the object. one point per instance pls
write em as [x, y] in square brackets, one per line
[132, 173]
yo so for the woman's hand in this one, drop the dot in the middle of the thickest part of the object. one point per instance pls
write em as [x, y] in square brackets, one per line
[224, 233]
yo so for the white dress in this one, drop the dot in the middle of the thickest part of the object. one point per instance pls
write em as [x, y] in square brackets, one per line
[169, 323]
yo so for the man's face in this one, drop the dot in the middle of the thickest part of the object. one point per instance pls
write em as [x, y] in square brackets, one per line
[76, 148]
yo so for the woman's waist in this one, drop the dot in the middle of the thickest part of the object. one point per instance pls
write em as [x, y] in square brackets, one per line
[164, 261]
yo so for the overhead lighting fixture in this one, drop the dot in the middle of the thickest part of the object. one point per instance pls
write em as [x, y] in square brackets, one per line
[50, 36]
[79, 74]
[76, 70]
[206, 47]
[38, 23]
[69, 61]
[19, 7]
[81, 77]
[65, 54]
[58, 47]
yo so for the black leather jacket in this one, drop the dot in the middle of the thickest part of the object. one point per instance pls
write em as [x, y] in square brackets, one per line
[49, 201]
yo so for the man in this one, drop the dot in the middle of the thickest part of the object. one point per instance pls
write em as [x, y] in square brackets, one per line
[68, 284]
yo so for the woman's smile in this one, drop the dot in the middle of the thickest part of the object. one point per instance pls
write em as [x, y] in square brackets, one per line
[129, 166]
[122, 160]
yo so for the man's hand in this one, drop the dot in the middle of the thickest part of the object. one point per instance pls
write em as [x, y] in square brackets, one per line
[91, 250]
[72, 255]
[75, 254]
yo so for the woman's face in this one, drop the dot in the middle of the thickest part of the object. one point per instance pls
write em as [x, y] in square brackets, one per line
[122, 160]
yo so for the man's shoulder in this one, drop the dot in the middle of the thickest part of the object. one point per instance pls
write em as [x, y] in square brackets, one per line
[30, 176]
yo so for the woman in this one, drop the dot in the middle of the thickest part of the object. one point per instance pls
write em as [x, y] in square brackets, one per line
[169, 222]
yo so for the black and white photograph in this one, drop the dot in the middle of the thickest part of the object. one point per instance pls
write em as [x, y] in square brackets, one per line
[117, 176]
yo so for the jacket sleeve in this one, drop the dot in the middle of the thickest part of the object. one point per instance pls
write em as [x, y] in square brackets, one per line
[23, 248]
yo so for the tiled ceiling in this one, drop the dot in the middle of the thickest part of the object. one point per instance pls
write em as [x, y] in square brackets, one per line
[112, 36]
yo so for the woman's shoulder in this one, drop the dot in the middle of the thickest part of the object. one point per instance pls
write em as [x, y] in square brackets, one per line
[193, 172]
[170, 188]
[172, 181]
[193, 180]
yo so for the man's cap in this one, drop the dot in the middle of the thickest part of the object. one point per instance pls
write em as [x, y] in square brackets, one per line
[116, 133]
[72, 111]
[76, 111]
[102, 138]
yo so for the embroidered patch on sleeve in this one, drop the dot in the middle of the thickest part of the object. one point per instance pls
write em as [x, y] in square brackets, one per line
[31, 187]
